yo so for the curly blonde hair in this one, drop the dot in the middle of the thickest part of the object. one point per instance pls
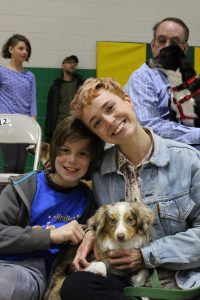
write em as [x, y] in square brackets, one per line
[90, 90]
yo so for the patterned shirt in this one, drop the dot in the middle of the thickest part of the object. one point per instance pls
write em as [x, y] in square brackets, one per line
[17, 92]
[132, 173]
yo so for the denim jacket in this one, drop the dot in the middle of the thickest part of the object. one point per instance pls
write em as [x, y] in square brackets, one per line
[170, 186]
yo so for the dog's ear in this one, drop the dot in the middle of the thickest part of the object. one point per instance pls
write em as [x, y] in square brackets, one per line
[153, 62]
[145, 217]
[186, 68]
[45, 146]
[98, 220]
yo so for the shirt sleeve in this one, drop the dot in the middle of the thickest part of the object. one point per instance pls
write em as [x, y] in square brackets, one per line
[149, 93]
[178, 251]
[33, 107]
[0, 77]
[16, 239]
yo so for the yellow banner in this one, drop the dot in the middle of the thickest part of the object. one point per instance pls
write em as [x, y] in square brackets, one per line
[119, 59]
[197, 60]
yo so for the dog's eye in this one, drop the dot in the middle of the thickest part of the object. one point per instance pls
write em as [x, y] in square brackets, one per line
[131, 220]
[113, 221]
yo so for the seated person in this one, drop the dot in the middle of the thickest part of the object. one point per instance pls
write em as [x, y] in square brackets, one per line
[40, 211]
[142, 166]
[148, 88]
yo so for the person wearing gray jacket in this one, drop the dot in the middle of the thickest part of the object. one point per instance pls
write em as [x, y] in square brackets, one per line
[41, 213]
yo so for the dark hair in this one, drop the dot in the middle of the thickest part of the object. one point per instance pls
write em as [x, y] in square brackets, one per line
[13, 41]
[70, 58]
[71, 129]
[175, 20]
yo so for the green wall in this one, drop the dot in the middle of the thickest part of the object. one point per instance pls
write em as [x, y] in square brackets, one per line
[44, 78]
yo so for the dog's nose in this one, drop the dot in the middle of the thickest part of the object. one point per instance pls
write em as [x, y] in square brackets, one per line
[121, 237]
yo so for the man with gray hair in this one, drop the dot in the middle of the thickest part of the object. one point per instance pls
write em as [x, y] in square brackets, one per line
[149, 87]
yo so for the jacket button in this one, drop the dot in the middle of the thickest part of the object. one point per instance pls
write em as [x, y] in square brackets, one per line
[152, 259]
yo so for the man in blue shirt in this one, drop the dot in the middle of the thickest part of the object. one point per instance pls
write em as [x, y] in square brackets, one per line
[149, 88]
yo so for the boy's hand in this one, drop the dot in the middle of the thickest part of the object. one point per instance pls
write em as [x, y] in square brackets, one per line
[72, 232]
[80, 262]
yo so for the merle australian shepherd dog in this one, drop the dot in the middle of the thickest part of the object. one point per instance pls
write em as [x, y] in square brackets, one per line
[184, 101]
[121, 225]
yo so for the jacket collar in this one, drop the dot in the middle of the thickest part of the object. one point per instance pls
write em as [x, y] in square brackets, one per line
[159, 158]
[161, 154]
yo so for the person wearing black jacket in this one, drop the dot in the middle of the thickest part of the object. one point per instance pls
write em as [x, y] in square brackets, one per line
[60, 95]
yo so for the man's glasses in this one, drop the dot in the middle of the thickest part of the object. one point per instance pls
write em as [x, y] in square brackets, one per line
[162, 41]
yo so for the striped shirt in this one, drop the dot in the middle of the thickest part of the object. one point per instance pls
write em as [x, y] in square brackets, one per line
[149, 90]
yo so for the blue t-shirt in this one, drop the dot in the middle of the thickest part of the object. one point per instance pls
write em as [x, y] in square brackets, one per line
[53, 207]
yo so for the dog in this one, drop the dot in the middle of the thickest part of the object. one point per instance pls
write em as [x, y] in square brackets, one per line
[44, 154]
[122, 225]
[184, 101]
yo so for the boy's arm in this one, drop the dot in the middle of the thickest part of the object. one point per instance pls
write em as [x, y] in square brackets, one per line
[18, 238]
[15, 239]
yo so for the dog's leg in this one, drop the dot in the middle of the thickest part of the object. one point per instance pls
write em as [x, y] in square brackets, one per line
[97, 267]
[140, 278]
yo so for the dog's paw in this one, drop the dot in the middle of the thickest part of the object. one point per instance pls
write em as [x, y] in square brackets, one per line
[97, 267]
[140, 278]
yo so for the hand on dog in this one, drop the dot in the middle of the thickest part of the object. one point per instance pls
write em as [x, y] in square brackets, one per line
[80, 261]
[130, 260]
[72, 232]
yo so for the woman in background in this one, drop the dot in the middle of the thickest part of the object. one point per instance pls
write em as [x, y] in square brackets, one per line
[17, 96]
